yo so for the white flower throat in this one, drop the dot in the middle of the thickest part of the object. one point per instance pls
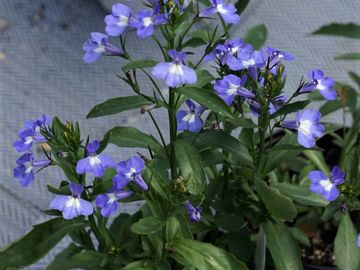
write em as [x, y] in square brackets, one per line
[305, 126]
[326, 184]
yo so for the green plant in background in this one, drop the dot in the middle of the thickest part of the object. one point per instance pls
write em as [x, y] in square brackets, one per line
[234, 183]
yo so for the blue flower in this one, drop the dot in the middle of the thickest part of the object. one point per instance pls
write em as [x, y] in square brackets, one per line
[358, 240]
[276, 104]
[31, 133]
[97, 45]
[94, 163]
[225, 52]
[175, 73]
[24, 170]
[226, 11]
[326, 186]
[247, 60]
[146, 20]
[72, 205]
[320, 82]
[119, 20]
[109, 202]
[190, 119]
[278, 55]
[308, 126]
[130, 171]
[194, 213]
[231, 86]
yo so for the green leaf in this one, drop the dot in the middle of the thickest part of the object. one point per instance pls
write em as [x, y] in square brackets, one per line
[204, 77]
[37, 243]
[256, 36]
[132, 137]
[209, 99]
[318, 159]
[300, 236]
[140, 265]
[277, 204]
[89, 260]
[330, 106]
[194, 42]
[219, 138]
[347, 253]
[349, 30]
[118, 105]
[142, 63]
[300, 194]
[260, 251]
[283, 248]
[241, 5]
[291, 108]
[355, 78]
[173, 229]
[348, 56]
[71, 250]
[190, 166]
[205, 256]
[147, 225]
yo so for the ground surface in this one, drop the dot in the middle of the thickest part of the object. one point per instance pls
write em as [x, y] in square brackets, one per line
[41, 71]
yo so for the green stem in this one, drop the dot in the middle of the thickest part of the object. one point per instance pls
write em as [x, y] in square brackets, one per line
[173, 131]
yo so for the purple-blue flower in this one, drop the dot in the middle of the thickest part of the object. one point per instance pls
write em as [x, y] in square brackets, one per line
[194, 213]
[175, 73]
[24, 170]
[190, 119]
[326, 186]
[226, 11]
[108, 202]
[94, 163]
[224, 52]
[358, 240]
[130, 171]
[146, 20]
[31, 133]
[308, 125]
[249, 60]
[320, 82]
[117, 22]
[276, 104]
[278, 55]
[97, 45]
[72, 205]
[231, 86]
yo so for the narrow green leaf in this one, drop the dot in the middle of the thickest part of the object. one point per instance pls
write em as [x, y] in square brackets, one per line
[204, 77]
[291, 108]
[142, 63]
[219, 138]
[277, 204]
[205, 256]
[147, 225]
[190, 166]
[173, 229]
[300, 194]
[256, 36]
[349, 30]
[140, 265]
[348, 56]
[132, 137]
[208, 99]
[347, 253]
[37, 243]
[71, 250]
[330, 106]
[241, 5]
[318, 159]
[283, 248]
[260, 252]
[117, 105]
[300, 236]
[89, 260]
[355, 78]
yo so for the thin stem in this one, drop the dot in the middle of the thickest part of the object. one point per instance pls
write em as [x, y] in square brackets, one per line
[160, 133]
[173, 132]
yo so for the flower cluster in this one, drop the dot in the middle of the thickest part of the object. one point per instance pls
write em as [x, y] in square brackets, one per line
[28, 137]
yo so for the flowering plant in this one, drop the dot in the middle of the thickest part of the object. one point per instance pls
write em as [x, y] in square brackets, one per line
[231, 177]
